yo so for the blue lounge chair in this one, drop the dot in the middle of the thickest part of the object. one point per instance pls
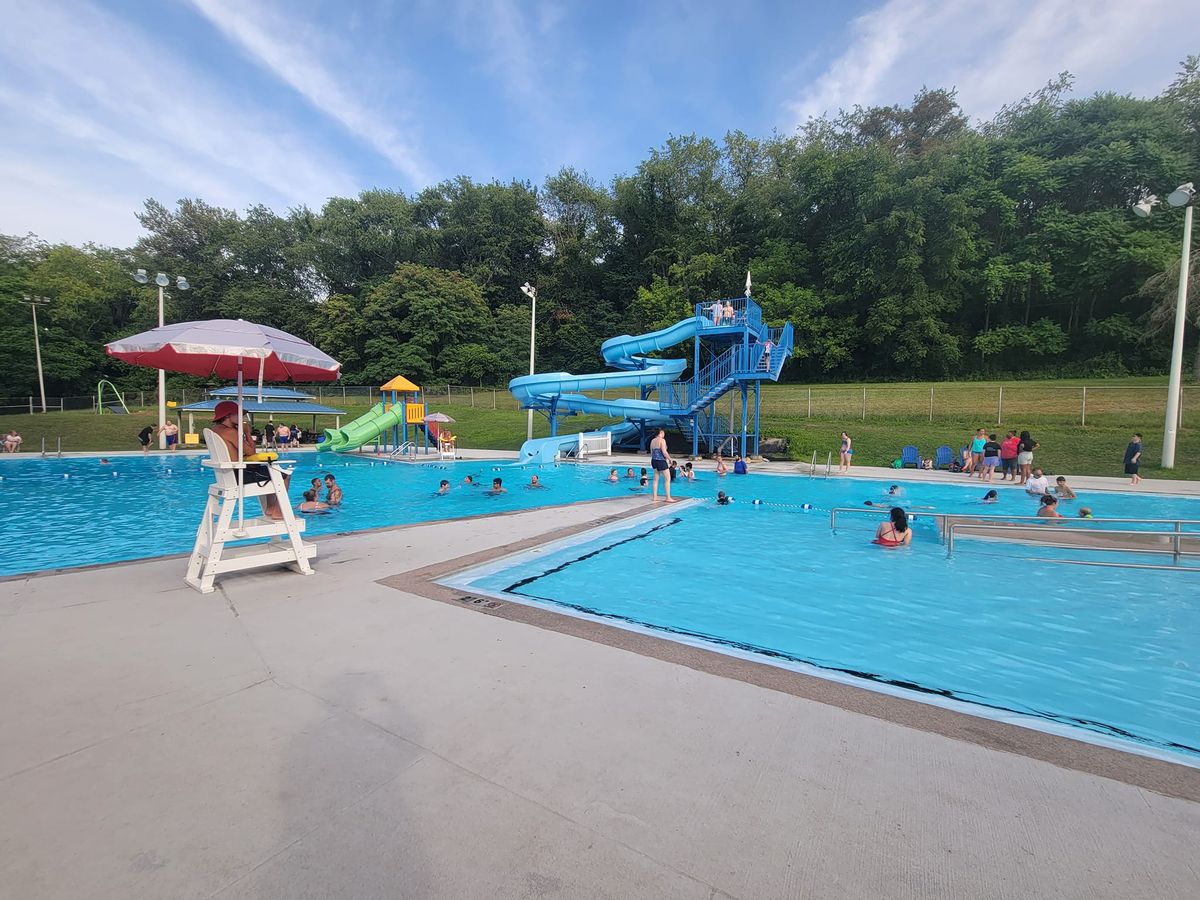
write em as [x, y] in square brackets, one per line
[943, 457]
[910, 456]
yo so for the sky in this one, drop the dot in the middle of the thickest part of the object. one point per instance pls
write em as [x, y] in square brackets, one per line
[289, 102]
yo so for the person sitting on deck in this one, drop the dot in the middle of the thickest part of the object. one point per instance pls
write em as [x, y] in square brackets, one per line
[895, 531]
[12, 441]
[225, 426]
[1048, 507]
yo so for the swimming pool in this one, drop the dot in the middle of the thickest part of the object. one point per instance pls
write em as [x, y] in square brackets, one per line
[76, 511]
[1107, 653]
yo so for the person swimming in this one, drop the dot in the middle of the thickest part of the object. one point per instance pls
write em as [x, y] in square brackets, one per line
[629, 473]
[723, 499]
[990, 497]
[612, 476]
[443, 487]
[533, 483]
[311, 504]
[498, 487]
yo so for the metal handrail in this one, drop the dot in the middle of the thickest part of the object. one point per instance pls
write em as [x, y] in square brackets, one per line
[812, 466]
[1176, 549]
[993, 518]
[828, 463]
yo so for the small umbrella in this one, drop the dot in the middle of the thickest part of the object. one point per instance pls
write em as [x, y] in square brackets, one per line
[224, 348]
[438, 417]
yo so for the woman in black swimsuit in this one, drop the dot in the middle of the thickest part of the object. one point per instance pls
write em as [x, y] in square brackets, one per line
[660, 461]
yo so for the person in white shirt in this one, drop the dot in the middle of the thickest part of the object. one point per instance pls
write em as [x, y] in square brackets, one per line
[1037, 483]
[716, 312]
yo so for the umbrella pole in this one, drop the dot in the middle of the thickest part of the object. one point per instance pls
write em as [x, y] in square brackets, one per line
[241, 471]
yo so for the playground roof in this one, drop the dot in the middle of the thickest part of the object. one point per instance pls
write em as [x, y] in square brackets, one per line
[399, 383]
[273, 393]
[269, 407]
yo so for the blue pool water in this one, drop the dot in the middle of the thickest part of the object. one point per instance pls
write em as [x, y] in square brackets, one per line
[149, 506]
[1108, 650]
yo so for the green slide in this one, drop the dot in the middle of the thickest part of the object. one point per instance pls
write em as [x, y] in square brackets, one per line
[364, 429]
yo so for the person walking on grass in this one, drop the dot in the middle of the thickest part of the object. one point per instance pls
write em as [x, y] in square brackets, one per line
[660, 461]
[1133, 459]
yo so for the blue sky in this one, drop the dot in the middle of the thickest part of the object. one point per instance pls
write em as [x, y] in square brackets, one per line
[287, 102]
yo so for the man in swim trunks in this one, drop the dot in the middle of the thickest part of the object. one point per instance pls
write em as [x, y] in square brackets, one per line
[225, 426]
[171, 430]
[333, 490]
[660, 461]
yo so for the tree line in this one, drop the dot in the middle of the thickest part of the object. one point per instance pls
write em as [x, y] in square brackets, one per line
[903, 242]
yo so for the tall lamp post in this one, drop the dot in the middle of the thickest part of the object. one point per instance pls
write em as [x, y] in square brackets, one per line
[34, 303]
[162, 280]
[1181, 196]
[531, 292]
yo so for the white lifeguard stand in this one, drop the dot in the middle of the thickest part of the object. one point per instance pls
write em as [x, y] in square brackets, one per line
[221, 524]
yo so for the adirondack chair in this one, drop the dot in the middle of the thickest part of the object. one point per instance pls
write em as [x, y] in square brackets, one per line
[910, 456]
[943, 457]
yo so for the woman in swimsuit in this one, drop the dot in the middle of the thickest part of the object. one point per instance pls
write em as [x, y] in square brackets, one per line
[722, 469]
[846, 453]
[660, 461]
[895, 531]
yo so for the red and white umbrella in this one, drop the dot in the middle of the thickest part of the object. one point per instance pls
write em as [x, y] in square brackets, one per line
[227, 348]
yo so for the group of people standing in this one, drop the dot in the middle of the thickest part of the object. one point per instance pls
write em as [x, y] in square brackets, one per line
[1013, 456]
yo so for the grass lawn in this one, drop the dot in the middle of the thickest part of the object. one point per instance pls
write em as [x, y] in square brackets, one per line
[897, 414]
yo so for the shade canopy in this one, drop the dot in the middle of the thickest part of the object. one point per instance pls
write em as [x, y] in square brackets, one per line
[222, 348]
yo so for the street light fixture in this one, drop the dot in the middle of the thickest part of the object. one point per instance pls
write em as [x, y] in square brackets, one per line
[1181, 196]
[34, 303]
[531, 292]
[162, 279]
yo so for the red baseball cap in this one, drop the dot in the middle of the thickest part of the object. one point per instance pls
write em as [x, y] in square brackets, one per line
[223, 409]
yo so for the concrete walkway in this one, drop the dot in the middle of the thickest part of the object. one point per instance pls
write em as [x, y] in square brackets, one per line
[330, 736]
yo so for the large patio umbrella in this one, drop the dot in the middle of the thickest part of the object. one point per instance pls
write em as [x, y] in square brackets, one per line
[224, 348]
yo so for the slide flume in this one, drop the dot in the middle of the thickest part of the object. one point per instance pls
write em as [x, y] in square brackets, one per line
[364, 429]
[624, 353]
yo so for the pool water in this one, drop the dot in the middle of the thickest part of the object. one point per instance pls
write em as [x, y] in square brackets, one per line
[1111, 651]
[76, 511]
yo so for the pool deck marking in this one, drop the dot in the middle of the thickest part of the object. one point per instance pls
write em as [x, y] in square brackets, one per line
[1158, 775]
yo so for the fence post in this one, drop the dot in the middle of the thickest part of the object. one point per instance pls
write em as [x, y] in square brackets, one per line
[31, 406]
[472, 390]
[864, 415]
[493, 398]
[141, 398]
[447, 393]
[1083, 408]
[370, 396]
[343, 393]
[1000, 407]
[930, 404]
[810, 403]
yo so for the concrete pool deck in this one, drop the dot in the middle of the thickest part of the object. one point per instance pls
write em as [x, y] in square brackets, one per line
[334, 736]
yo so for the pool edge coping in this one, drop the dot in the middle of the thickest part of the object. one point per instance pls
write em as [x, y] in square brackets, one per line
[1161, 776]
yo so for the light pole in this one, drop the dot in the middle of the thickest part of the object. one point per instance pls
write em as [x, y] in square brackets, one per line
[1181, 196]
[34, 303]
[162, 280]
[531, 292]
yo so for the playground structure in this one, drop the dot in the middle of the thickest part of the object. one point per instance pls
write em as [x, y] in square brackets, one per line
[119, 408]
[733, 353]
[388, 423]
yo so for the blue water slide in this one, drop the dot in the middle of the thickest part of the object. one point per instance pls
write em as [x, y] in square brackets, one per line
[561, 390]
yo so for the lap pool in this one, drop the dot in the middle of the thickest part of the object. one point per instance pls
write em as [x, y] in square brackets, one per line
[57, 513]
[1106, 654]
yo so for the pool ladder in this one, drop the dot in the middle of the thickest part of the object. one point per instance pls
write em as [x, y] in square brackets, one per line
[57, 453]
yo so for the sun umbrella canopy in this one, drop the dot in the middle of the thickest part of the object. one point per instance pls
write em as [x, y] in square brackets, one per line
[223, 347]
[438, 417]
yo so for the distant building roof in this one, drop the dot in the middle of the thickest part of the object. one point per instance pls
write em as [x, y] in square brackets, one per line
[283, 408]
[274, 393]
[399, 383]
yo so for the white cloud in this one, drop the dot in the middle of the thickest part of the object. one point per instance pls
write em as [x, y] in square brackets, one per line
[92, 88]
[994, 54]
[290, 51]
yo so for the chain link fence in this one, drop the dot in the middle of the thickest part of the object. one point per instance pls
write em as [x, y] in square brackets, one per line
[987, 405]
